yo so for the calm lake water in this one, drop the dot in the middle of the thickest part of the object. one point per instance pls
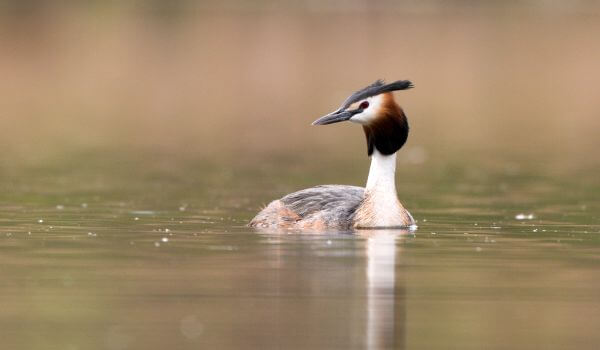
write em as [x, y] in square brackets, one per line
[151, 252]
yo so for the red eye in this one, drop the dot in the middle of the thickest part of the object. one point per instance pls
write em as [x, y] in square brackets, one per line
[364, 105]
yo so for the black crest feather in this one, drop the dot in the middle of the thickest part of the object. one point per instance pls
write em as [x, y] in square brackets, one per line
[378, 87]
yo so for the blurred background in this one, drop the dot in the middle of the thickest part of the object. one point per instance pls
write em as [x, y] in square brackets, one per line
[139, 137]
[242, 80]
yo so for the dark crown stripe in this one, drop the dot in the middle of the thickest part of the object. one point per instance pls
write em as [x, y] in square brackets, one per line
[378, 87]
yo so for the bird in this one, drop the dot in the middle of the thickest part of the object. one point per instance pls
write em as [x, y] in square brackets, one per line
[344, 207]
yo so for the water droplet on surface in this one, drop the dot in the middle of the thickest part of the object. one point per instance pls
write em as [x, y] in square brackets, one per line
[142, 212]
[522, 216]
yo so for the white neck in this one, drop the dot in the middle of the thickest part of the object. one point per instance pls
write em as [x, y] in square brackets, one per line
[381, 190]
[382, 174]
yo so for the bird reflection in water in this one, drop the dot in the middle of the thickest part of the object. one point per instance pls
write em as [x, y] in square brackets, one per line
[386, 311]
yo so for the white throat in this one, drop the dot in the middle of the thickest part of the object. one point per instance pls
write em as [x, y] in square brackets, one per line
[382, 174]
[381, 189]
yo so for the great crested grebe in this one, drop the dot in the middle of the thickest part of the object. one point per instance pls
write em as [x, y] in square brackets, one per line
[346, 207]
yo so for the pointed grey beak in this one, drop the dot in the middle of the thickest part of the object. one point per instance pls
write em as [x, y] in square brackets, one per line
[334, 117]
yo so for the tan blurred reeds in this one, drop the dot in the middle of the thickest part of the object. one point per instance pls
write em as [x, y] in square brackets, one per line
[225, 81]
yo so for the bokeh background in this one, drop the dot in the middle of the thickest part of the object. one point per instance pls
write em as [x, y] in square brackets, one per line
[240, 81]
[139, 137]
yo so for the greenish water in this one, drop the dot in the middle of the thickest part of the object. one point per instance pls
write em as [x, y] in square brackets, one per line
[99, 251]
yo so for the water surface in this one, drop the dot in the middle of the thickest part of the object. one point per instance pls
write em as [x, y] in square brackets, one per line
[148, 252]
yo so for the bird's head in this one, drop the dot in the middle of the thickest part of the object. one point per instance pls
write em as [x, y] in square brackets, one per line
[383, 121]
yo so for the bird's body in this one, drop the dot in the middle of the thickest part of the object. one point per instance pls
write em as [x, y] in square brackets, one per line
[316, 208]
[342, 207]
